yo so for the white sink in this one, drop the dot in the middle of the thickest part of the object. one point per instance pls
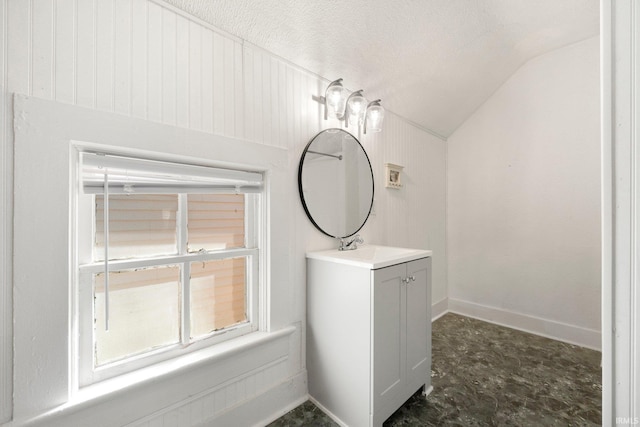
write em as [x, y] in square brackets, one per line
[371, 256]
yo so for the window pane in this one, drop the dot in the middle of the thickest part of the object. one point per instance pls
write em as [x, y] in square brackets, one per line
[216, 221]
[218, 295]
[144, 312]
[139, 225]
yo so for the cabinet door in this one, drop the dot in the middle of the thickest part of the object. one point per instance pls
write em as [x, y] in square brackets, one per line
[389, 338]
[418, 324]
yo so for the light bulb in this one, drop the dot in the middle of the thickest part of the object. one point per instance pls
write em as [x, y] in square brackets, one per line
[335, 100]
[356, 105]
[374, 117]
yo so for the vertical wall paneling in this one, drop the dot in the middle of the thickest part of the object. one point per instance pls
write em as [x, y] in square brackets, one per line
[296, 114]
[195, 76]
[292, 114]
[219, 400]
[265, 111]
[122, 57]
[64, 51]
[321, 87]
[204, 407]
[85, 53]
[257, 97]
[283, 105]
[139, 59]
[302, 107]
[228, 63]
[219, 104]
[207, 80]
[169, 67]
[42, 48]
[154, 62]
[270, 99]
[306, 107]
[415, 215]
[249, 88]
[197, 412]
[278, 93]
[286, 91]
[19, 46]
[275, 101]
[182, 72]
[105, 36]
[238, 76]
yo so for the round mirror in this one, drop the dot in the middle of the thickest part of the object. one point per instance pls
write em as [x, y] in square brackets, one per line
[335, 181]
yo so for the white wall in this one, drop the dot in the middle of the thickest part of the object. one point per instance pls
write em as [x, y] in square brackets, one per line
[524, 200]
[145, 60]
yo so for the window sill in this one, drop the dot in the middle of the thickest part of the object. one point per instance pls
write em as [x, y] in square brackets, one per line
[104, 390]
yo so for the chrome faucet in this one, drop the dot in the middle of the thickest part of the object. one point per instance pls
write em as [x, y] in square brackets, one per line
[346, 245]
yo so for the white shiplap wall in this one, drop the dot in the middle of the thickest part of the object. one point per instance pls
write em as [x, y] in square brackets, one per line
[144, 59]
[413, 216]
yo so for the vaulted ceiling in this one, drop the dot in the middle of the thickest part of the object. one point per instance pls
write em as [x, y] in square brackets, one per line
[433, 62]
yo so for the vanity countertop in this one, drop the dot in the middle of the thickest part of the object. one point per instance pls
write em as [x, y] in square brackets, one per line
[371, 256]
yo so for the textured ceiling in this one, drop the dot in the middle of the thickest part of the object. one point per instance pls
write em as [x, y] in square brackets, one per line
[433, 62]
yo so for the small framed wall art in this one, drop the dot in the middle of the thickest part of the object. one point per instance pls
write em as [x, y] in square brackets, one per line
[393, 174]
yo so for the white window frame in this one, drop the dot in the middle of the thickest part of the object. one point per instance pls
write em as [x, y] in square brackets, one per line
[87, 372]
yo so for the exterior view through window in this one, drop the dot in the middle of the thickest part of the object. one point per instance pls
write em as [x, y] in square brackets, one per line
[174, 259]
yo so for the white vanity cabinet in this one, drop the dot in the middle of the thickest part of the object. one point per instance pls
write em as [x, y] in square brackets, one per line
[368, 333]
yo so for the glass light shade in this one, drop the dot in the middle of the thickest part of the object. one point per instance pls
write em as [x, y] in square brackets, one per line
[356, 106]
[335, 100]
[375, 116]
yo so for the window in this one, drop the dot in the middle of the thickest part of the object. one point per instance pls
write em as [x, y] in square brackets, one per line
[168, 260]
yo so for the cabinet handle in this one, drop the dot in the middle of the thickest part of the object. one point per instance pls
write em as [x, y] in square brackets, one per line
[412, 278]
[405, 280]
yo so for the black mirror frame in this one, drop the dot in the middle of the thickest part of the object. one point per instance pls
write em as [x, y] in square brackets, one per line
[304, 205]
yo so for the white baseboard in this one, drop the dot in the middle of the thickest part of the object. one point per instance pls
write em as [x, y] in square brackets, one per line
[559, 331]
[439, 309]
[328, 412]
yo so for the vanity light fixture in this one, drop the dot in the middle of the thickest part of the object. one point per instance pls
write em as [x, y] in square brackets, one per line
[356, 106]
[351, 108]
[335, 100]
[374, 116]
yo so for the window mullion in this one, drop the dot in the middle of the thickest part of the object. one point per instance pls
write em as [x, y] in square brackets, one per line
[186, 269]
[128, 264]
[105, 209]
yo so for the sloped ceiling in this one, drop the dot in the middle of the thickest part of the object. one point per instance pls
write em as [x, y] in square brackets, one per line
[433, 62]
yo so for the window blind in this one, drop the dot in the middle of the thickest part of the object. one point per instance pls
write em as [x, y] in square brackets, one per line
[125, 175]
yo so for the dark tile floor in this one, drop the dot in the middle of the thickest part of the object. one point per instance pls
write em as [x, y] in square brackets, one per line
[489, 375]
